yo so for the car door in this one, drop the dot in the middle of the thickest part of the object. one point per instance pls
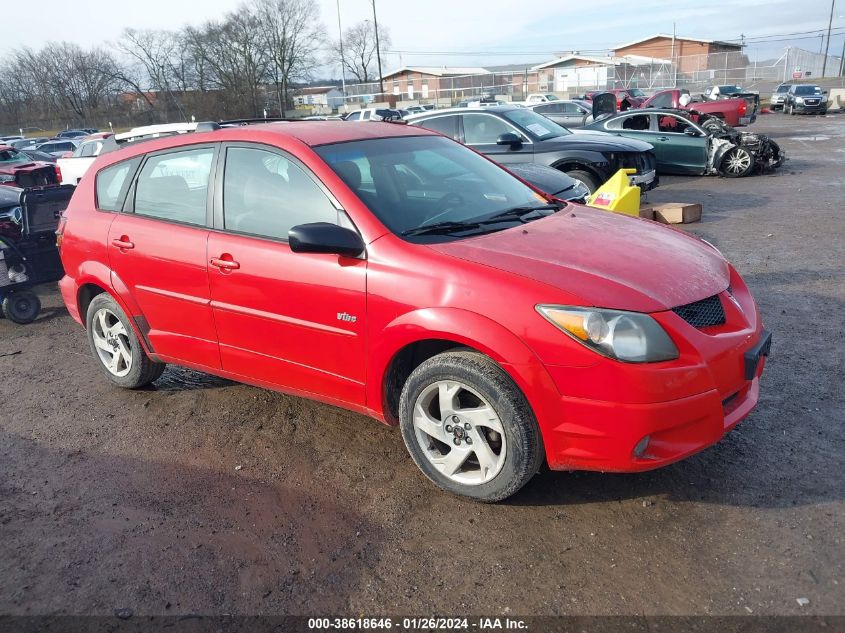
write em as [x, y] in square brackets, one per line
[679, 145]
[290, 320]
[480, 130]
[157, 253]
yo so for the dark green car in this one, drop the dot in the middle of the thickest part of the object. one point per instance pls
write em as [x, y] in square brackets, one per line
[690, 143]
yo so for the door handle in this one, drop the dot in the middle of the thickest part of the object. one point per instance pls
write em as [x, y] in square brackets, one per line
[662, 138]
[123, 242]
[225, 265]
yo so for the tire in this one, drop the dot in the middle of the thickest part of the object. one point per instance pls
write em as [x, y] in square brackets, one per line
[491, 414]
[737, 163]
[775, 148]
[586, 178]
[21, 307]
[112, 338]
[713, 125]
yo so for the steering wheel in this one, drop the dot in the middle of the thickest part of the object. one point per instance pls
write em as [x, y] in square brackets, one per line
[444, 204]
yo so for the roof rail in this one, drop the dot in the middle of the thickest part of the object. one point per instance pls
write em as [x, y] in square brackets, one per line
[150, 132]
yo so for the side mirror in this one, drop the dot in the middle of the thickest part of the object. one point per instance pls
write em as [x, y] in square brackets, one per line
[324, 237]
[509, 138]
[824, 92]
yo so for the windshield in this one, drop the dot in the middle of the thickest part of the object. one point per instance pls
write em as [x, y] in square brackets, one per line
[12, 157]
[536, 124]
[636, 92]
[552, 98]
[414, 181]
[729, 90]
[807, 90]
[783, 88]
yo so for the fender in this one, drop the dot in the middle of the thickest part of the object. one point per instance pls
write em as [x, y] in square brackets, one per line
[464, 328]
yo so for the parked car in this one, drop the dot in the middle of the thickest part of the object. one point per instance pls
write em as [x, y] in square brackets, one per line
[373, 114]
[58, 147]
[39, 157]
[433, 290]
[634, 96]
[18, 170]
[684, 145]
[734, 112]
[22, 143]
[778, 97]
[73, 133]
[805, 99]
[715, 93]
[551, 181]
[422, 107]
[72, 168]
[5, 140]
[540, 97]
[568, 113]
[511, 134]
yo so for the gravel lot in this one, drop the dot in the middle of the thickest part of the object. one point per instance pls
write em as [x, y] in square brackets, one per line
[204, 496]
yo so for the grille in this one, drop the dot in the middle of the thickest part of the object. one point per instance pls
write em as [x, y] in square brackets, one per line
[705, 313]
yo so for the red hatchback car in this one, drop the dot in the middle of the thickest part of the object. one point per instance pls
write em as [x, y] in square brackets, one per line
[392, 271]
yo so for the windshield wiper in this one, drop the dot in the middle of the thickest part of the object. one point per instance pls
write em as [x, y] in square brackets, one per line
[518, 213]
[441, 228]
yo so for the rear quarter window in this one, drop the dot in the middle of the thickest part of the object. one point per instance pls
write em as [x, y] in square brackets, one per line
[113, 183]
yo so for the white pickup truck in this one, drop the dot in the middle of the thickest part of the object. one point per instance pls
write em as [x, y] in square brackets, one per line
[540, 97]
[74, 166]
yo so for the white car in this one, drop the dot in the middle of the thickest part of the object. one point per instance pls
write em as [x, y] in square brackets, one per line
[373, 114]
[74, 167]
[57, 147]
[540, 97]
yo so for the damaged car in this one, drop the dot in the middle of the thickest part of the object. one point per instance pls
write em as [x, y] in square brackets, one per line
[689, 142]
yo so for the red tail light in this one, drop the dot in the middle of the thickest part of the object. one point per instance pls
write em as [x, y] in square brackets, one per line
[743, 108]
[58, 173]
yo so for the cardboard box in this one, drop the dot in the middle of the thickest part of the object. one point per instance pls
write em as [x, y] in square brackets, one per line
[647, 211]
[677, 213]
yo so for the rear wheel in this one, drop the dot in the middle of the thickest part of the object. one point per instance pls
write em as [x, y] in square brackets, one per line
[116, 346]
[737, 162]
[22, 306]
[468, 427]
[585, 178]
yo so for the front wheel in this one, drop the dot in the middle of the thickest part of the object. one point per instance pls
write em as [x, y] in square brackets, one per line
[116, 346]
[737, 162]
[468, 427]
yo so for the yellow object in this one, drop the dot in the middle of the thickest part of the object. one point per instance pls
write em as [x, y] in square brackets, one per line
[617, 194]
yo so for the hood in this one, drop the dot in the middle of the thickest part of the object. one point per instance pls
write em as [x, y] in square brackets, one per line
[604, 103]
[592, 141]
[604, 259]
[546, 179]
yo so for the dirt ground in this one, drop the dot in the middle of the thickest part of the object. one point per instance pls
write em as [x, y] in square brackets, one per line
[204, 496]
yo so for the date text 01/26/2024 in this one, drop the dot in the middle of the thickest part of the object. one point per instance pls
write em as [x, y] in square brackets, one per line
[418, 624]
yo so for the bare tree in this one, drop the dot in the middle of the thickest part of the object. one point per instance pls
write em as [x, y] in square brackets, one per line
[292, 32]
[359, 49]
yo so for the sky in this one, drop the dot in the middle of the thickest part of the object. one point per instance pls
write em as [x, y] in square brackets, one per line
[505, 31]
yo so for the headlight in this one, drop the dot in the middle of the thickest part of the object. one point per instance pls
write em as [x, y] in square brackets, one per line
[799, 99]
[578, 192]
[6, 178]
[631, 337]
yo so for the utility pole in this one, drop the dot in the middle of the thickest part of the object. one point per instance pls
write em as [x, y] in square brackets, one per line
[342, 61]
[378, 50]
[842, 60]
[674, 64]
[827, 46]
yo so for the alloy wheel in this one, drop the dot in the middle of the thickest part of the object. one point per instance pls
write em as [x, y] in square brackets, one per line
[738, 161]
[459, 432]
[111, 340]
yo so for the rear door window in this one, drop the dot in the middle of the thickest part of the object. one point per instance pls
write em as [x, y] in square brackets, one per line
[174, 186]
[112, 184]
[266, 194]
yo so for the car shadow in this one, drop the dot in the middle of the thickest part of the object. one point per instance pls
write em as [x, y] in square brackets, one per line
[177, 378]
[155, 537]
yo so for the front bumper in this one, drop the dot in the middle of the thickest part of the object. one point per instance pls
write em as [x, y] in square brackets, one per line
[804, 108]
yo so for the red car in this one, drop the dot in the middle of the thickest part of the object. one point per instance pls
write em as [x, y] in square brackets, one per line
[17, 170]
[392, 271]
